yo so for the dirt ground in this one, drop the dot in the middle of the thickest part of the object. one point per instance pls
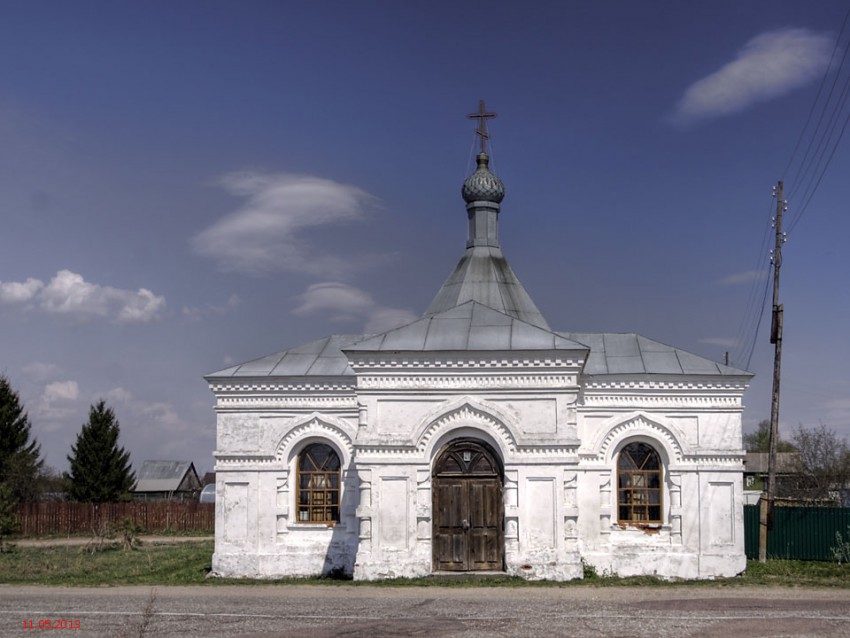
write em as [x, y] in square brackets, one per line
[72, 541]
[354, 611]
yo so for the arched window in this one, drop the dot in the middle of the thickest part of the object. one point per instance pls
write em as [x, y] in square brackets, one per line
[318, 484]
[639, 485]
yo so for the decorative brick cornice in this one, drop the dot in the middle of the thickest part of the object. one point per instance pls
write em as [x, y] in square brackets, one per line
[608, 385]
[661, 400]
[292, 401]
[424, 362]
[252, 386]
[736, 460]
[409, 454]
[466, 382]
[244, 458]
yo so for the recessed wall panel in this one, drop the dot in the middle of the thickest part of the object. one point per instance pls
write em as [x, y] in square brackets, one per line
[721, 514]
[235, 512]
[394, 513]
[540, 504]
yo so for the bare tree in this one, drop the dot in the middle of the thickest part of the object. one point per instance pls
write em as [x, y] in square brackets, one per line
[759, 440]
[822, 463]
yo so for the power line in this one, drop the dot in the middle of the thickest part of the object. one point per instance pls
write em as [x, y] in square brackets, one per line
[821, 144]
[753, 314]
[758, 323]
[826, 136]
[811, 193]
[823, 141]
[814, 104]
[818, 94]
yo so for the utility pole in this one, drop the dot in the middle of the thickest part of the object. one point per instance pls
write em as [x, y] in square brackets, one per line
[768, 496]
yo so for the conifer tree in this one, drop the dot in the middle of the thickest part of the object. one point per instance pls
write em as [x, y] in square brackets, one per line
[19, 454]
[100, 470]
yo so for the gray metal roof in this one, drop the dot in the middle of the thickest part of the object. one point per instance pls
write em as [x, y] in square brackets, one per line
[483, 275]
[162, 476]
[472, 326]
[322, 357]
[469, 326]
[630, 353]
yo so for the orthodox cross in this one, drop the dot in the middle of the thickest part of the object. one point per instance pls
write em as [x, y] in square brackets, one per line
[482, 116]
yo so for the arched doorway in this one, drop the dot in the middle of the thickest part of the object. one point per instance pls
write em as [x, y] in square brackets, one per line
[468, 508]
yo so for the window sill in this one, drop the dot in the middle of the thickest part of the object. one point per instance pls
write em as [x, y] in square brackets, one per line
[312, 526]
[647, 528]
[638, 530]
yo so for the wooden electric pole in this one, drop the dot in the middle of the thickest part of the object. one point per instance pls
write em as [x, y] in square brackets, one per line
[769, 495]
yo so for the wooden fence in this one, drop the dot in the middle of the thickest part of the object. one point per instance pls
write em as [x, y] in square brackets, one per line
[41, 519]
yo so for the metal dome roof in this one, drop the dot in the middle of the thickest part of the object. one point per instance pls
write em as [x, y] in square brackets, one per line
[482, 185]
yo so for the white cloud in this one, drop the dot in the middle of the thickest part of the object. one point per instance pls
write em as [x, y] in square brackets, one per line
[232, 303]
[194, 313]
[741, 278]
[768, 66]
[341, 301]
[263, 235]
[344, 303]
[141, 306]
[118, 395]
[39, 372]
[56, 404]
[163, 413]
[158, 413]
[69, 294]
[19, 292]
[61, 391]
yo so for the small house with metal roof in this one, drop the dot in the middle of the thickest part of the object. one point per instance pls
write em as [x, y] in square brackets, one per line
[479, 439]
[167, 480]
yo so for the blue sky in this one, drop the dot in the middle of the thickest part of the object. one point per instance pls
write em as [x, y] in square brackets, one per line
[188, 185]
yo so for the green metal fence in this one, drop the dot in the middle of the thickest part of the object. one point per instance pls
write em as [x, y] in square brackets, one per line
[799, 533]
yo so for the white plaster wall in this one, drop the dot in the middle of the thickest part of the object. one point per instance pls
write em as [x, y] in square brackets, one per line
[720, 431]
[545, 547]
[531, 415]
[395, 521]
[560, 502]
[702, 532]
[256, 493]
[235, 513]
[237, 432]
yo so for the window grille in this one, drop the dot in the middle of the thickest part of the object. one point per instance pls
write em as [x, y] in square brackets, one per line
[639, 485]
[318, 485]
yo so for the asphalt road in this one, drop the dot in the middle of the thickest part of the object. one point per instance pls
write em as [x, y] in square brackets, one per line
[319, 611]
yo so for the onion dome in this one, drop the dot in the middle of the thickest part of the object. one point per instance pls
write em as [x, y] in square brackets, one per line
[482, 185]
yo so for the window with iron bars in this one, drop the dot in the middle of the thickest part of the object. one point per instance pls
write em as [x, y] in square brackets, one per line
[318, 485]
[639, 485]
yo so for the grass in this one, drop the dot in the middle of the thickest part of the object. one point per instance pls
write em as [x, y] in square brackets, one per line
[178, 564]
[189, 563]
[798, 573]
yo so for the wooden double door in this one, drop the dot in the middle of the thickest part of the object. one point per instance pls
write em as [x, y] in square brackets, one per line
[468, 508]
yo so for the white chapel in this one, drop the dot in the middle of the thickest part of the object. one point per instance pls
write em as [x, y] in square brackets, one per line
[479, 439]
